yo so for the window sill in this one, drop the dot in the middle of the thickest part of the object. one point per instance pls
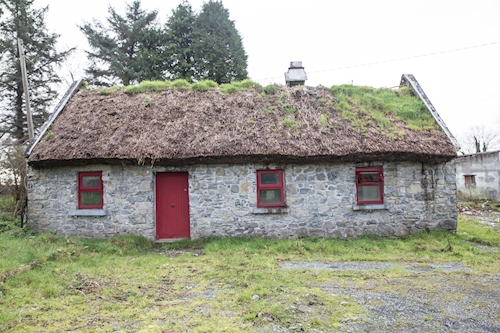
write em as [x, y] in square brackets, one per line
[87, 212]
[370, 207]
[271, 210]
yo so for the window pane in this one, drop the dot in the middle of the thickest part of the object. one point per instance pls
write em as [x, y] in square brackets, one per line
[370, 176]
[269, 178]
[91, 181]
[270, 196]
[91, 198]
[368, 193]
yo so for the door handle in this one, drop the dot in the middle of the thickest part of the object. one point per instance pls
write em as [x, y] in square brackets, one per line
[173, 205]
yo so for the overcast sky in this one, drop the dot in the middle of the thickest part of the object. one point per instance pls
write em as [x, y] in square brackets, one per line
[451, 46]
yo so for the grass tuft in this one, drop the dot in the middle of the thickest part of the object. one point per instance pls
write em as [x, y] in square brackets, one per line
[204, 85]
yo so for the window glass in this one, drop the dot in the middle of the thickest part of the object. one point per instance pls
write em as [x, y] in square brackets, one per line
[370, 176]
[269, 178]
[91, 181]
[369, 193]
[270, 196]
[91, 198]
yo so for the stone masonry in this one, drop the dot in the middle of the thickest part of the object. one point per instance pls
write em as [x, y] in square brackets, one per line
[320, 201]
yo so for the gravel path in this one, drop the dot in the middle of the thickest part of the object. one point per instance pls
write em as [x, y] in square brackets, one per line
[436, 297]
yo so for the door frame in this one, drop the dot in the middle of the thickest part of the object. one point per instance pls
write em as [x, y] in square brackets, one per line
[161, 240]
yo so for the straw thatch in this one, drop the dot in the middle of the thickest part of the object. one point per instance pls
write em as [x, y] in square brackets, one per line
[182, 126]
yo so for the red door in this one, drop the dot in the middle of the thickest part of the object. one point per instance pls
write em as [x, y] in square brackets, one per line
[172, 205]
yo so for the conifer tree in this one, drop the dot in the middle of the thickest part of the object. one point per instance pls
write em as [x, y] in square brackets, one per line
[180, 36]
[21, 20]
[116, 50]
[218, 48]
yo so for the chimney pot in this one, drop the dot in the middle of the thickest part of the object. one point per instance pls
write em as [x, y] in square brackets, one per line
[296, 74]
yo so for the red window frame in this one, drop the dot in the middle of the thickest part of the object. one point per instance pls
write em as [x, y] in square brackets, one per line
[280, 186]
[82, 189]
[361, 182]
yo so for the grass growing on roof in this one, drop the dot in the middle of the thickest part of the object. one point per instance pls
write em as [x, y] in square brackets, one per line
[181, 84]
[204, 85]
[375, 105]
[109, 90]
[236, 86]
[272, 88]
[147, 86]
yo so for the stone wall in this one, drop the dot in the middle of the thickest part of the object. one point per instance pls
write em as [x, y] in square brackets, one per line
[485, 167]
[128, 202]
[320, 201]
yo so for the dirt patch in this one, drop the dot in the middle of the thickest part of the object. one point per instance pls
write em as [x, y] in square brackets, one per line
[484, 211]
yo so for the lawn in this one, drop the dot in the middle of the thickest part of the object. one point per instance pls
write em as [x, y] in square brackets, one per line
[129, 284]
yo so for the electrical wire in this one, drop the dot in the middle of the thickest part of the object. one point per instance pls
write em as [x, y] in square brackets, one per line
[391, 60]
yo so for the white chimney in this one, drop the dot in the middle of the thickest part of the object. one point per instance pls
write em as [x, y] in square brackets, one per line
[296, 74]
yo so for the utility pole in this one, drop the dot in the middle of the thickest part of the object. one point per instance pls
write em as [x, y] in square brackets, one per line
[25, 88]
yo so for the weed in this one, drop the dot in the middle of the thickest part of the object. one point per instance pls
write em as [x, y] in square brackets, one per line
[147, 86]
[323, 122]
[109, 91]
[228, 88]
[246, 84]
[291, 124]
[272, 89]
[273, 127]
[204, 85]
[288, 109]
[181, 84]
[251, 121]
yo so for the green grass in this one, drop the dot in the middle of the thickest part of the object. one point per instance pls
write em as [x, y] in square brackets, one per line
[128, 283]
[148, 86]
[376, 105]
[204, 85]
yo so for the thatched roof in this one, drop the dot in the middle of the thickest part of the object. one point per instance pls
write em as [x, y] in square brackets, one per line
[185, 126]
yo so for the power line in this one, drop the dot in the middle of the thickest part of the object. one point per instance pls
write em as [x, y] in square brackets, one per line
[393, 60]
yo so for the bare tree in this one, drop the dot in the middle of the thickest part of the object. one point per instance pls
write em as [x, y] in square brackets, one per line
[13, 167]
[480, 139]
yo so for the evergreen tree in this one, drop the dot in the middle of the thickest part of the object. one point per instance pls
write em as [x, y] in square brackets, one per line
[218, 49]
[180, 36]
[151, 58]
[116, 51]
[20, 20]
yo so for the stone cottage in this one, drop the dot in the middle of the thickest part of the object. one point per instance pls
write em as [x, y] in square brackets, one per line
[173, 161]
[478, 175]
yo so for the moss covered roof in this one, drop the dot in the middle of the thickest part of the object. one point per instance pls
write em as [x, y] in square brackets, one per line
[178, 123]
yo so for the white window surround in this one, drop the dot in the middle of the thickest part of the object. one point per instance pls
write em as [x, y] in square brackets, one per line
[87, 212]
[370, 207]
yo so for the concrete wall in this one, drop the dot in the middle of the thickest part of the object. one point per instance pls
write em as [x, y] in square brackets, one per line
[320, 201]
[485, 167]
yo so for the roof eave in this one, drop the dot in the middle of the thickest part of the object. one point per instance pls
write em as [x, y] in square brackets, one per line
[75, 86]
[410, 81]
[262, 159]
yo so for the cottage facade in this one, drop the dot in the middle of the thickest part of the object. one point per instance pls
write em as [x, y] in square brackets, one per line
[221, 176]
[478, 175]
